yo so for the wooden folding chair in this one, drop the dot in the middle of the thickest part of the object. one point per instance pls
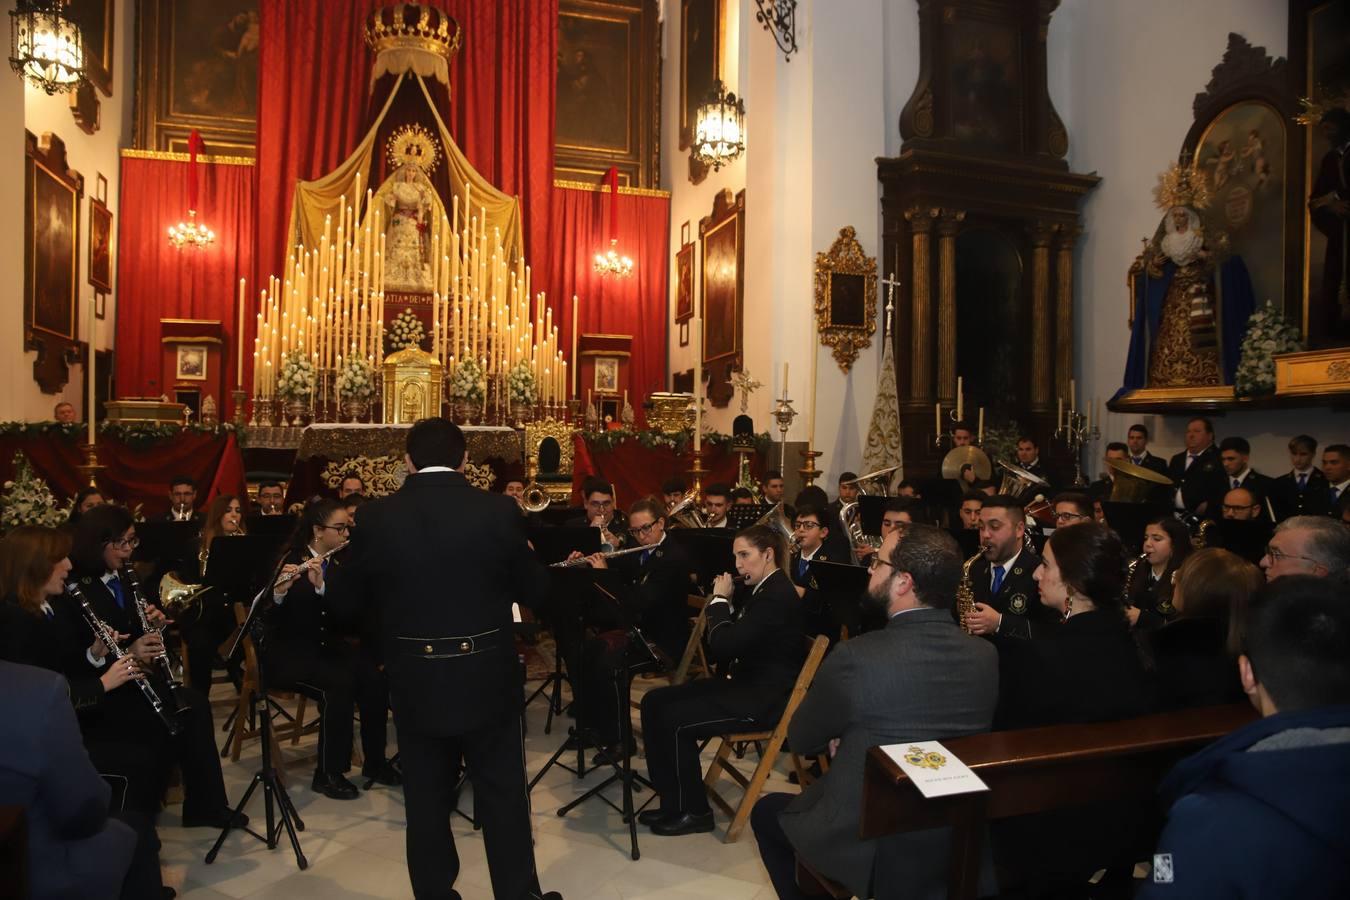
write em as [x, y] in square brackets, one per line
[249, 687]
[693, 648]
[773, 742]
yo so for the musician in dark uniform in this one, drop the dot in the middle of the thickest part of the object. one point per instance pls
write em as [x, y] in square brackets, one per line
[1006, 597]
[182, 501]
[1235, 458]
[600, 512]
[758, 647]
[103, 542]
[811, 530]
[1196, 470]
[1029, 458]
[305, 650]
[1148, 591]
[1136, 441]
[1303, 490]
[443, 562]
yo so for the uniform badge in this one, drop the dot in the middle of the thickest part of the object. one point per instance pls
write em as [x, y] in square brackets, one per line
[1017, 570]
[1018, 604]
[1166, 608]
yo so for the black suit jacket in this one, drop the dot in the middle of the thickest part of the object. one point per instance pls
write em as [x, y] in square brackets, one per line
[1263, 488]
[657, 598]
[1201, 481]
[760, 644]
[1156, 463]
[442, 561]
[51, 643]
[300, 622]
[1313, 500]
[1018, 598]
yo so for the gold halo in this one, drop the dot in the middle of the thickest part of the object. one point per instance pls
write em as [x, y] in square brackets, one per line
[413, 145]
[1181, 186]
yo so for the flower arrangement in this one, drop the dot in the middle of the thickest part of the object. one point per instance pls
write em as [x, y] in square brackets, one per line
[355, 380]
[520, 386]
[405, 331]
[1268, 333]
[295, 382]
[27, 500]
[679, 441]
[466, 382]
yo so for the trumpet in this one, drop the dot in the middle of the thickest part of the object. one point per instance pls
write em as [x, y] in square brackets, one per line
[181, 513]
[306, 566]
[585, 560]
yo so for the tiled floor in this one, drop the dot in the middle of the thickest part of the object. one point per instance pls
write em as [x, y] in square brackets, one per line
[356, 848]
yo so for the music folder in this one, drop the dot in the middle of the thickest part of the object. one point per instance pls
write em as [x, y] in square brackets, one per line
[164, 541]
[281, 526]
[871, 509]
[968, 539]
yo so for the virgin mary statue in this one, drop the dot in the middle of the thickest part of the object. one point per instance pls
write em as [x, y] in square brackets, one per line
[409, 201]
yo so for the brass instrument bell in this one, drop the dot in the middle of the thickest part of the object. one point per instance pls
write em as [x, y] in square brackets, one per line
[1134, 484]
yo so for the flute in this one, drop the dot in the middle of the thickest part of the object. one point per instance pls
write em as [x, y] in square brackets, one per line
[585, 560]
[306, 566]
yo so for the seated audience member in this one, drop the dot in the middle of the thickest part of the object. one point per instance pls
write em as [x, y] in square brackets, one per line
[919, 678]
[351, 484]
[1241, 505]
[85, 500]
[1003, 579]
[1303, 490]
[182, 501]
[271, 499]
[74, 848]
[1192, 656]
[771, 488]
[1148, 599]
[716, 502]
[1261, 812]
[742, 497]
[64, 413]
[970, 512]
[758, 651]
[1308, 545]
[1072, 508]
[673, 491]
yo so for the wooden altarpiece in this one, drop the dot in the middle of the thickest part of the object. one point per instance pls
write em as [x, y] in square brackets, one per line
[980, 214]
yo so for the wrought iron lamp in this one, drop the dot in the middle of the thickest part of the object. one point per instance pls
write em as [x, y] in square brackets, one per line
[779, 18]
[45, 45]
[719, 129]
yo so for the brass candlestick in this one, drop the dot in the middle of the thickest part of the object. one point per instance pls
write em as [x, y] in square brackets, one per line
[91, 466]
[696, 471]
[239, 398]
[808, 471]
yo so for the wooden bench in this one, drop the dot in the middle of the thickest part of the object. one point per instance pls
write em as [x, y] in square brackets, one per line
[1031, 771]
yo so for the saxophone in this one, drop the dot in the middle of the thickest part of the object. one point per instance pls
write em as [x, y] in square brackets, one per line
[965, 593]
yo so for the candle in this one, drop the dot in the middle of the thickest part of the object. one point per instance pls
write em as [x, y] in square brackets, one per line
[697, 327]
[574, 345]
[937, 417]
[960, 401]
[239, 340]
[91, 367]
[1059, 414]
[980, 438]
[785, 379]
[1073, 395]
[811, 398]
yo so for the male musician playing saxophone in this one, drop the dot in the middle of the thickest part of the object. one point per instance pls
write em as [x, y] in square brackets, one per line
[444, 584]
[1006, 596]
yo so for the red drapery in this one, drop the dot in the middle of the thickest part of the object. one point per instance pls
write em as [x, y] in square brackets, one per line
[636, 471]
[634, 305]
[156, 281]
[314, 74]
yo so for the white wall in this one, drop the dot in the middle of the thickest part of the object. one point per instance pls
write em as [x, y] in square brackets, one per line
[1123, 77]
[21, 398]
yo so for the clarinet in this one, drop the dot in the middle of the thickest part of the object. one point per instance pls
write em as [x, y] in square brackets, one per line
[168, 663]
[105, 633]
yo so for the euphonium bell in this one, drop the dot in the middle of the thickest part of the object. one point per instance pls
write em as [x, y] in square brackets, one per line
[535, 500]
[175, 597]
[686, 513]
[777, 519]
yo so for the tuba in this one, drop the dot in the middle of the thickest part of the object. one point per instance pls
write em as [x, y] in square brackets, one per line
[777, 519]
[535, 500]
[851, 518]
[686, 513]
[965, 593]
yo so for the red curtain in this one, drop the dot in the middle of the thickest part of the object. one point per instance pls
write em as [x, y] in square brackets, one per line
[314, 74]
[636, 471]
[156, 281]
[634, 305]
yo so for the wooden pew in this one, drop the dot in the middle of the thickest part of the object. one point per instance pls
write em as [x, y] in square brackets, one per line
[1036, 770]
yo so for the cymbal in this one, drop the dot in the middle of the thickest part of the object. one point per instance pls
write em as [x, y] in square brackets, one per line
[1023, 473]
[1125, 467]
[959, 457]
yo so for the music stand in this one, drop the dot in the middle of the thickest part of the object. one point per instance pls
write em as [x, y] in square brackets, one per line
[555, 545]
[709, 548]
[842, 586]
[1247, 539]
[743, 515]
[279, 811]
[968, 539]
[281, 526]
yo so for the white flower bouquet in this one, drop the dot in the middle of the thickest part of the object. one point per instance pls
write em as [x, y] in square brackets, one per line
[467, 383]
[27, 500]
[520, 386]
[1268, 333]
[295, 382]
[355, 380]
[405, 331]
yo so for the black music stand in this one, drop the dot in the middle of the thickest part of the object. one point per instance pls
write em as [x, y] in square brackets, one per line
[1248, 539]
[968, 539]
[1130, 519]
[280, 526]
[710, 548]
[871, 510]
[278, 809]
[743, 515]
[555, 545]
[843, 586]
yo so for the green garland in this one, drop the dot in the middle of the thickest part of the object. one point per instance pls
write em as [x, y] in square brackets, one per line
[134, 434]
[679, 442]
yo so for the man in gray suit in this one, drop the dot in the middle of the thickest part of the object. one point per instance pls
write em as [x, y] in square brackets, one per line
[919, 678]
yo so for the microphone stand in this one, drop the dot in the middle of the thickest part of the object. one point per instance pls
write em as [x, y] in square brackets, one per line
[278, 809]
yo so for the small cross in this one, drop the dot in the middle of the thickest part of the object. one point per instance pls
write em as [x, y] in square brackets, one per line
[743, 382]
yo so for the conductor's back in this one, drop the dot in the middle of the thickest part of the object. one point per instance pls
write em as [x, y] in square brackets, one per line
[441, 562]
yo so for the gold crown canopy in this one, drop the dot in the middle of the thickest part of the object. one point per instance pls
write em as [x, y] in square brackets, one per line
[412, 26]
[1181, 185]
[412, 145]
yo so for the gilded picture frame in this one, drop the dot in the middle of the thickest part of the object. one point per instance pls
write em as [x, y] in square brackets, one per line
[722, 239]
[52, 195]
[191, 362]
[684, 283]
[606, 375]
[846, 298]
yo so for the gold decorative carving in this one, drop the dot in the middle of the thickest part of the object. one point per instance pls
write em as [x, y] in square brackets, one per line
[412, 386]
[346, 441]
[381, 475]
[670, 413]
[557, 485]
[1339, 370]
[923, 115]
[1312, 372]
[846, 297]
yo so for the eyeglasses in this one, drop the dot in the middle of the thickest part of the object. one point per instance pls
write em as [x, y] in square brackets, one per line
[600, 504]
[643, 529]
[126, 543]
[1276, 555]
[1235, 509]
[340, 529]
[806, 526]
[1069, 516]
[877, 561]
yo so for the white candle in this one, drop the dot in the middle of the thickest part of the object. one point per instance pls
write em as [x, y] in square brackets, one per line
[937, 418]
[239, 340]
[980, 439]
[1059, 414]
[811, 399]
[89, 413]
[785, 379]
[697, 326]
[1073, 395]
[960, 403]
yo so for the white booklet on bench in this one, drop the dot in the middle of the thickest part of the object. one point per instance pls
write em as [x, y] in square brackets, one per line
[933, 769]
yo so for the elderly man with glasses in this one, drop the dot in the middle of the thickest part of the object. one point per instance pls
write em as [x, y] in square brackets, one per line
[1308, 545]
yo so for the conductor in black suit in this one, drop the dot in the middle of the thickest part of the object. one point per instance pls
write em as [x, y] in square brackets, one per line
[443, 561]
[1196, 470]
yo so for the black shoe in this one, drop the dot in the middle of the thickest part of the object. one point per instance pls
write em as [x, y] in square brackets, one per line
[385, 773]
[167, 893]
[218, 819]
[613, 752]
[684, 823]
[652, 816]
[336, 787]
[552, 895]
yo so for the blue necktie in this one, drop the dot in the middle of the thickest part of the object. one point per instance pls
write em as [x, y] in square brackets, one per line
[1335, 495]
[1302, 481]
[802, 566]
[646, 555]
[1138, 460]
[51, 613]
[115, 585]
[999, 572]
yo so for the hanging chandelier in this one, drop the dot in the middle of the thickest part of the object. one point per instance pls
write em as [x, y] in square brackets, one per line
[45, 45]
[191, 234]
[611, 262]
[719, 128]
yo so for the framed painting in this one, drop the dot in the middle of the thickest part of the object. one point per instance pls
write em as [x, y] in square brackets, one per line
[198, 69]
[723, 237]
[97, 27]
[684, 284]
[52, 193]
[702, 25]
[607, 93]
[100, 245]
[191, 365]
[606, 375]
